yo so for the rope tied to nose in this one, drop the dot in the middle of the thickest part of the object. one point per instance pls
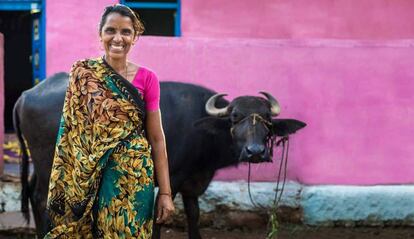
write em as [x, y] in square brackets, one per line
[282, 165]
[270, 143]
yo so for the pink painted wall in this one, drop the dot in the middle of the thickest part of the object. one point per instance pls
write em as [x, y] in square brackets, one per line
[344, 19]
[1, 102]
[297, 19]
[72, 31]
[356, 96]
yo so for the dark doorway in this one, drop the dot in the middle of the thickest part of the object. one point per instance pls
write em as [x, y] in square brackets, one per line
[157, 22]
[160, 17]
[16, 28]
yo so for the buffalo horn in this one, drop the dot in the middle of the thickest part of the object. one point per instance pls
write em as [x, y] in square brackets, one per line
[274, 105]
[211, 106]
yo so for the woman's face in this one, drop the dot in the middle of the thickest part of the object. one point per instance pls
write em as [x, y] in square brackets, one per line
[117, 36]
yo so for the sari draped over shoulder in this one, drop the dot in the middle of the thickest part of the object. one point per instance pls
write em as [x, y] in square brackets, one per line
[102, 183]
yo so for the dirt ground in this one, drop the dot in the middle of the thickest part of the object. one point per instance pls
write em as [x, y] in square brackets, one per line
[285, 232]
[302, 232]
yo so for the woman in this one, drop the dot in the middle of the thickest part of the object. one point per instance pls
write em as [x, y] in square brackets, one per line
[102, 180]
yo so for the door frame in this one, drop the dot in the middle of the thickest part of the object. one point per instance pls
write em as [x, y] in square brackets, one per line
[35, 7]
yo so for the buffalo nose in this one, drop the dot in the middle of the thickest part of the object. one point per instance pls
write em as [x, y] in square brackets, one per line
[255, 149]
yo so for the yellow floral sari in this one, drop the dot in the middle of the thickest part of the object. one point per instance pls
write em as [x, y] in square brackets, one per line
[102, 183]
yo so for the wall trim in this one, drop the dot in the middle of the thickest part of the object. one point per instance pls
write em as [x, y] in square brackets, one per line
[320, 205]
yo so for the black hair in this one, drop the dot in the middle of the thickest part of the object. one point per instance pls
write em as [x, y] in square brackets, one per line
[126, 12]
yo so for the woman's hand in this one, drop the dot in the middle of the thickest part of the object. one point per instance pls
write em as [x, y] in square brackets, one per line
[165, 208]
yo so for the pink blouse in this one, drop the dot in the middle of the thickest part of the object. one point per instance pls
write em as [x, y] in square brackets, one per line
[148, 85]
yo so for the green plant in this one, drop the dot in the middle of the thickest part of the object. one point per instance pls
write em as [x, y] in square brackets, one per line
[273, 225]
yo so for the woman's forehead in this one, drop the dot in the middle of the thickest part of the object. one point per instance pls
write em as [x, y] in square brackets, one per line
[116, 19]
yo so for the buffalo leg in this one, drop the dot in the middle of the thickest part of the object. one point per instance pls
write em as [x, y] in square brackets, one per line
[156, 231]
[193, 212]
[38, 198]
[156, 228]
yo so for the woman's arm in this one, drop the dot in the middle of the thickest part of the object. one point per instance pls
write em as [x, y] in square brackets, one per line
[156, 138]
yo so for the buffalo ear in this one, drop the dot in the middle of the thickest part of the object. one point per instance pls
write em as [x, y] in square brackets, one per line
[284, 127]
[213, 125]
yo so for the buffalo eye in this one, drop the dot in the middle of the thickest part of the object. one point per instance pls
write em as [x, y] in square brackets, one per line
[235, 117]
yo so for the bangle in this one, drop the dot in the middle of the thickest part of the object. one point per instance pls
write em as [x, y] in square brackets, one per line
[166, 194]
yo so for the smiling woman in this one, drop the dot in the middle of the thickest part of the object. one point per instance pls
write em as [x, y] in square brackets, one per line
[102, 180]
[119, 30]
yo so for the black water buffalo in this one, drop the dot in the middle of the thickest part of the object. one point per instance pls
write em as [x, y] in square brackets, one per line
[200, 139]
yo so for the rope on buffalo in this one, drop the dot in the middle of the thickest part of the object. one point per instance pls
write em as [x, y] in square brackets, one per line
[283, 164]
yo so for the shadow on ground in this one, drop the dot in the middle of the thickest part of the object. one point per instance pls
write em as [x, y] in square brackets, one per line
[285, 232]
